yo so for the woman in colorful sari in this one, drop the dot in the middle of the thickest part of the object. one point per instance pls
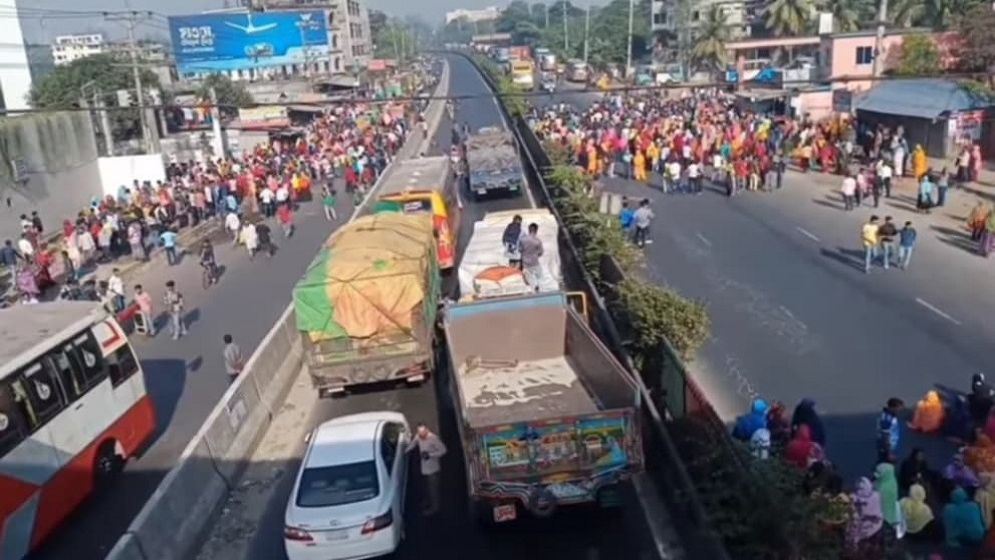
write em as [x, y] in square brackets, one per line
[988, 235]
[981, 456]
[639, 166]
[920, 164]
[976, 220]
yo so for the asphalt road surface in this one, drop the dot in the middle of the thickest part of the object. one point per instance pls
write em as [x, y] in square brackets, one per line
[186, 377]
[582, 534]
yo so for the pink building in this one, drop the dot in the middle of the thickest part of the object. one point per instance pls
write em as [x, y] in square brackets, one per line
[851, 55]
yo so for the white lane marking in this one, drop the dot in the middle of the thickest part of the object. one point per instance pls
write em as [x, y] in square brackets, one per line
[937, 310]
[807, 234]
[704, 240]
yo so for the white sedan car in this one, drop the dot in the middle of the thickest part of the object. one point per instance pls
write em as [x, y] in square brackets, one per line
[348, 499]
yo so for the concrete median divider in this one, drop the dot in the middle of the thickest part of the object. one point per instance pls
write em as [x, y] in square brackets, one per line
[176, 517]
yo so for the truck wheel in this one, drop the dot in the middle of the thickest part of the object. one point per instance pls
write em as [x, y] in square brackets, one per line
[542, 503]
[107, 466]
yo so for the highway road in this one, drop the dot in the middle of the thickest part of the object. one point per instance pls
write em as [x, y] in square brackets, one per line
[588, 534]
[186, 377]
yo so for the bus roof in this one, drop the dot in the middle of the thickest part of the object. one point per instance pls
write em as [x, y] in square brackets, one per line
[27, 331]
[426, 173]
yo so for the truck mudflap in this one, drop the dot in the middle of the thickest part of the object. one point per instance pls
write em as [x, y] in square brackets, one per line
[544, 499]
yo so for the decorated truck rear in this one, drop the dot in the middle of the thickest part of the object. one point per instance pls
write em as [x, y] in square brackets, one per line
[366, 307]
[546, 415]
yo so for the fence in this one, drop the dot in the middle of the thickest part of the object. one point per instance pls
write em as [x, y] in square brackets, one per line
[663, 460]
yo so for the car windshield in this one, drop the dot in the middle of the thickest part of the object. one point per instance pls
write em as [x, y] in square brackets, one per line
[338, 485]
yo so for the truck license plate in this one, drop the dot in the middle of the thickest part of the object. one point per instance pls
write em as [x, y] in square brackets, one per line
[481, 191]
[506, 512]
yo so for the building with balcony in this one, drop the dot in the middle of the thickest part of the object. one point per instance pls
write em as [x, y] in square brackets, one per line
[67, 48]
[667, 16]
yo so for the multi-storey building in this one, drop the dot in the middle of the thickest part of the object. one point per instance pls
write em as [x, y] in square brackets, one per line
[67, 48]
[349, 24]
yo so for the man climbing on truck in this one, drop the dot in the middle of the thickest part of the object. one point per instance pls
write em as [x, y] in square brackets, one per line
[530, 249]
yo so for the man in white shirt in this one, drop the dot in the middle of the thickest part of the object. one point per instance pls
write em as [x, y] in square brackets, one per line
[848, 189]
[25, 247]
[885, 172]
[694, 177]
[115, 287]
[673, 177]
[233, 225]
[282, 194]
[266, 196]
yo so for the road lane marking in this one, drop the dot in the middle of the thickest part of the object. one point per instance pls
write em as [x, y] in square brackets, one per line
[937, 310]
[807, 234]
[704, 240]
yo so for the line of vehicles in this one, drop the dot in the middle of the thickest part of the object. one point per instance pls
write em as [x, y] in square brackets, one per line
[523, 64]
[546, 416]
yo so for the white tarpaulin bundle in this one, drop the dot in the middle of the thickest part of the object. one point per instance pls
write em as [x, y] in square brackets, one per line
[485, 251]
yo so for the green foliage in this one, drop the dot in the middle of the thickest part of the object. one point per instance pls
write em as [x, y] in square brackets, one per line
[508, 91]
[759, 506]
[790, 17]
[61, 89]
[231, 95]
[977, 53]
[919, 56]
[709, 49]
[656, 312]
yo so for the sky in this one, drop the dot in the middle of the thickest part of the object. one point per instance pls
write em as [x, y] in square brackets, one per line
[41, 25]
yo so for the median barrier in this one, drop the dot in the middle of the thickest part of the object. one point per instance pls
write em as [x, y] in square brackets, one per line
[176, 517]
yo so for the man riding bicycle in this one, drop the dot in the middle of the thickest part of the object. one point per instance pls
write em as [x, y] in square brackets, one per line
[207, 260]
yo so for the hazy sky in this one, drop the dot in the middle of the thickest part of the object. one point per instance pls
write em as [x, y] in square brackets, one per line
[40, 28]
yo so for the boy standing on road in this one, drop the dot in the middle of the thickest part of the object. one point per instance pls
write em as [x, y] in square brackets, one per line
[144, 302]
[174, 306]
[889, 430]
[234, 362]
[906, 243]
[869, 236]
[886, 234]
[641, 219]
[168, 239]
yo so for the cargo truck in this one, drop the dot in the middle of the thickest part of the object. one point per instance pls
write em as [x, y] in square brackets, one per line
[492, 164]
[546, 415]
[366, 307]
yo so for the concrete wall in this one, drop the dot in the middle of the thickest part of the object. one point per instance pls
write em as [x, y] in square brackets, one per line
[124, 170]
[60, 155]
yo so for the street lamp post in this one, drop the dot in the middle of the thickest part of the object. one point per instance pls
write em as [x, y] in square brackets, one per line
[566, 32]
[587, 31]
[628, 50]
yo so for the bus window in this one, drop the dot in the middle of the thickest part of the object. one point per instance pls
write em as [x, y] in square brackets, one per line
[39, 394]
[12, 428]
[87, 352]
[69, 372]
[122, 365]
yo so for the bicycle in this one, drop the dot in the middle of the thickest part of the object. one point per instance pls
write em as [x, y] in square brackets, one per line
[209, 274]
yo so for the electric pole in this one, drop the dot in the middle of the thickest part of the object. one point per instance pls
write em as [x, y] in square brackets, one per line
[879, 39]
[546, 24]
[587, 31]
[150, 134]
[566, 32]
[628, 48]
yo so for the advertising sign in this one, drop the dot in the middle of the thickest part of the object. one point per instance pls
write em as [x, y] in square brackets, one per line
[842, 101]
[223, 42]
[263, 116]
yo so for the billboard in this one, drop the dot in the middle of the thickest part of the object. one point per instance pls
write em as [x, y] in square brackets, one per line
[222, 42]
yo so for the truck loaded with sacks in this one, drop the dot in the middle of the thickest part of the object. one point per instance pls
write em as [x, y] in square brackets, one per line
[366, 307]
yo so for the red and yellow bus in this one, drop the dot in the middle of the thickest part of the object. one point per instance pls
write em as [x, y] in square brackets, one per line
[426, 185]
[73, 410]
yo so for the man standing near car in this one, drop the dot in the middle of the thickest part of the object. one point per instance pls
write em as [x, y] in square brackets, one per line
[431, 450]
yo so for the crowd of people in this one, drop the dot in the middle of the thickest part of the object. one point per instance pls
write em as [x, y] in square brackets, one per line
[350, 146]
[948, 506]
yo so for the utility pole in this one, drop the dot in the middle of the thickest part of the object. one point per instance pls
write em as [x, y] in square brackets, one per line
[587, 31]
[628, 48]
[879, 39]
[219, 139]
[105, 122]
[546, 25]
[566, 32]
[150, 134]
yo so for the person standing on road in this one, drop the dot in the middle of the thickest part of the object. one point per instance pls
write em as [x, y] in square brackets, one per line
[906, 243]
[285, 215]
[174, 307]
[168, 238]
[9, 257]
[250, 238]
[232, 225]
[885, 172]
[234, 362]
[641, 219]
[328, 203]
[264, 235]
[694, 177]
[976, 220]
[925, 200]
[889, 430]
[942, 184]
[144, 302]
[886, 235]
[530, 249]
[115, 286]
[848, 189]
[869, 237]
[431, 450]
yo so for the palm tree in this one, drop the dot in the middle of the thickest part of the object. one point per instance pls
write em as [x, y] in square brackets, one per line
[845, 14]
[907, 13]
[789, 17]
[709, 49]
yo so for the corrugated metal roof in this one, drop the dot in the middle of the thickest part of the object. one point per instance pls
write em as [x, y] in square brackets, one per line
[926, 98]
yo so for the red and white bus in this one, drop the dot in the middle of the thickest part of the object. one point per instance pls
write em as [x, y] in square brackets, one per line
[73, 409]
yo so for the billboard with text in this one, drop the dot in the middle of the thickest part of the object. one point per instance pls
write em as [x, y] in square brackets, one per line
[223, 42]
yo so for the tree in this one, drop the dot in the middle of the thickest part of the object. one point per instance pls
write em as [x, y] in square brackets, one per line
[919, 56]
[846, 14]
[789, 17]
[977, 53]
[907, 13]
[231, 95]
[709, 49]
[61, 89]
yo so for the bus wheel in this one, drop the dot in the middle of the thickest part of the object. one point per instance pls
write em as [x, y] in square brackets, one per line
[107, 465]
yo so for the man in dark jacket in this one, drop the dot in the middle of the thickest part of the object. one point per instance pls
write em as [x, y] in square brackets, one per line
[886, 235]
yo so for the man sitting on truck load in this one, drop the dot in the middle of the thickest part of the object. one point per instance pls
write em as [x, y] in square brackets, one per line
[530, 248]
